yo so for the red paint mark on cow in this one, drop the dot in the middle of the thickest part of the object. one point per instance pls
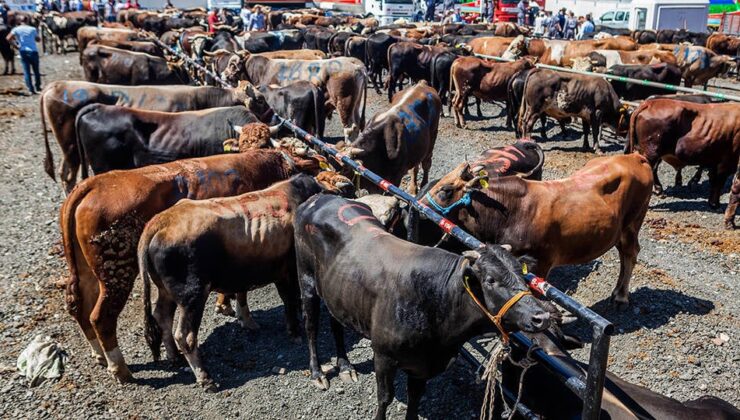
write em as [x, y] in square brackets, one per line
[375, 231]
[352, 221]
[273, 204]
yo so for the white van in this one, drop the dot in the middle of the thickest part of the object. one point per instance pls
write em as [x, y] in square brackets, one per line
[618, 19]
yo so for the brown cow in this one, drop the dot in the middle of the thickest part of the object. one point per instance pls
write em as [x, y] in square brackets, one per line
[61, 101]
[699, 64]
[88, 33]
[483, 79]
[135, 46]
[109, 65]
[684, 133]
[732, 204]
[103, 217]
[562, 52]
[201, 236]
[489, 45]
[609, 58]
[723, 44]
[561, 95]
[566, 221]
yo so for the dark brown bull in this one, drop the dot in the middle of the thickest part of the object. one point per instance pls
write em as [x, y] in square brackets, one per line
[485, 80]
[102, 219]
[108, 65]
[218, 257]
[61, 101]
[684, 133]
[566, 221]
[86, 34]
[135, 46]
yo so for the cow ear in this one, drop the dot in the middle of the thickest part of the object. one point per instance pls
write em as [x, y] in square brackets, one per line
[471, 256]
[571, 342]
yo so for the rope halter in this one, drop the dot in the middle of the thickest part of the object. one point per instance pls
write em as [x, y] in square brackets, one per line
[498, 318]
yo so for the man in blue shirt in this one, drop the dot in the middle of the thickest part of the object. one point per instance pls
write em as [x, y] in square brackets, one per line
[256, 20]
[587, 28]
[25, 38]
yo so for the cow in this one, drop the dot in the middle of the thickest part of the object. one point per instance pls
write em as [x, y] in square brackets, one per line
[88, 33]
[102, 219]
[409, 59]
[6, 51]
[566, 221]
[658, 73]
[489, 45]
[485, 80]
[109, 65]
[440, 75]
[376, 56]
[343, 79]
[115, 137]
[733, 202]
[620, 399]
[685, 133]
[356, 47]
[560, 95]
[62, 26]
[514, 98]
[61, 100]
[610, 58]
[135, 46]
[645, 36]
[200, 235]
[409, 300]
[698, 64]
[401, 138]
[337, 43]
[672, 36]
[301, 102]
[562, 52]
[723, 44]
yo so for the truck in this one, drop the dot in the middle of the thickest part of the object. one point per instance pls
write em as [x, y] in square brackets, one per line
[386, 11]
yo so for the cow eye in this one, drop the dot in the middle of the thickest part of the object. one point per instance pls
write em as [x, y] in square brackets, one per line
[444, 193]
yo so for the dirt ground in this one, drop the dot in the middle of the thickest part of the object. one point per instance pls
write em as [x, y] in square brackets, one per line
[684, 301]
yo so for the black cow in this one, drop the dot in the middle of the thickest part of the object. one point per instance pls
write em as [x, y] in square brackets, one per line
[301, 102]
[337, 41]
[6, 50]
[400, 139]
[647, 36]
[376, 57]
[673, 36]
[440, 75]
[408, 299]
[113, 137]
[621, 399]
[659, 73]
[63, 26]
[108, 65]
[355, 47]
[411, 59]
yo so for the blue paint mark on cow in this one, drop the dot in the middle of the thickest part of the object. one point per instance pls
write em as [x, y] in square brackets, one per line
[282, 73]
[313, 71]
[123, 98]
[295, 71]
[142, 99]
[333, 66]
[80, 95]
[202, 181]
[65, 97]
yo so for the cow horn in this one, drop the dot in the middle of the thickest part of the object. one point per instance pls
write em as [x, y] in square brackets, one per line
[506, 247]
[274, 143]
[353, 151]
[477, 181]
[464, 170]
[477, 168]
[471, 255]
[274, 129]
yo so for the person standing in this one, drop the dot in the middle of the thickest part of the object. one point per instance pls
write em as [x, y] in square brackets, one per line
[587, 28]
[521, 8]
[257, 20]
[553, 27]
[539, 24]
[245, 14]
[25, 37]
[431, 4]
[570, 26]
[561, 21]
[212, 20]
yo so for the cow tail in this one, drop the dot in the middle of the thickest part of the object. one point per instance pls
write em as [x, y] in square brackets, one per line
[48, 159]
[632, 133]
[68, 226]
[316, 116]
[152, 332]
[364, 102]
[523, 105]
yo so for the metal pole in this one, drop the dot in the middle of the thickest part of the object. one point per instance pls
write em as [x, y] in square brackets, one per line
[625, 79]
[598, 359]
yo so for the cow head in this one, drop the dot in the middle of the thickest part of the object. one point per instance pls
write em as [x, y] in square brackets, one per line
[236, 70]
[516, 49]
[491, 271]
[623, 123]
[453, 190]
[251, 136]
[582, 64]
[255, 102]
[335, 183]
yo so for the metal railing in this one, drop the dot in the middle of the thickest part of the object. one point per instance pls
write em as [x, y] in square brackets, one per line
[588, 388]
[665, 86]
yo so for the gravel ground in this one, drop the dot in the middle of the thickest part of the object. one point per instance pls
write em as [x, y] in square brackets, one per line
[684, 296]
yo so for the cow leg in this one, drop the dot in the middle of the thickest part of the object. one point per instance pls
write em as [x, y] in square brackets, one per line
[104, 319]
[477, 105]
[460, 99]
[223, 304]
[426, 165]
[84, 300]
[385, 373]
[413, 173]
[717, 179]
[311, 307]
[290, 295]
[657, 186]
[414, 390]
[694, 181]
[376, 84]
[164, 314]
[347, 372]
[543, 126]
[596, 132]
[586, 130]
[628, 247]
[245, 316]
[186, 335]
[679, 178]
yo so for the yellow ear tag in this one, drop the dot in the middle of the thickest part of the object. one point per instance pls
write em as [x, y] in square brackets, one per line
[227, 148]
[524, 268]
[483, 182]
[323, 165]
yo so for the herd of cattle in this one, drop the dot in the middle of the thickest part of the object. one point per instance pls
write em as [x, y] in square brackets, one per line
[172, 202]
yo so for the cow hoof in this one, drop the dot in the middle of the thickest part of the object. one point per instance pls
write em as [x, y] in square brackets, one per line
[100, 360]
[225, 309]
[123, 376]
[348, 376]
[729, 225]
[209, 386]
[321, 383]
[249, 324]
[176, 362]
[619, 305]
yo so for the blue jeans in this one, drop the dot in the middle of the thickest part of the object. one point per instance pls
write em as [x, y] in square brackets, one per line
[31, 59]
